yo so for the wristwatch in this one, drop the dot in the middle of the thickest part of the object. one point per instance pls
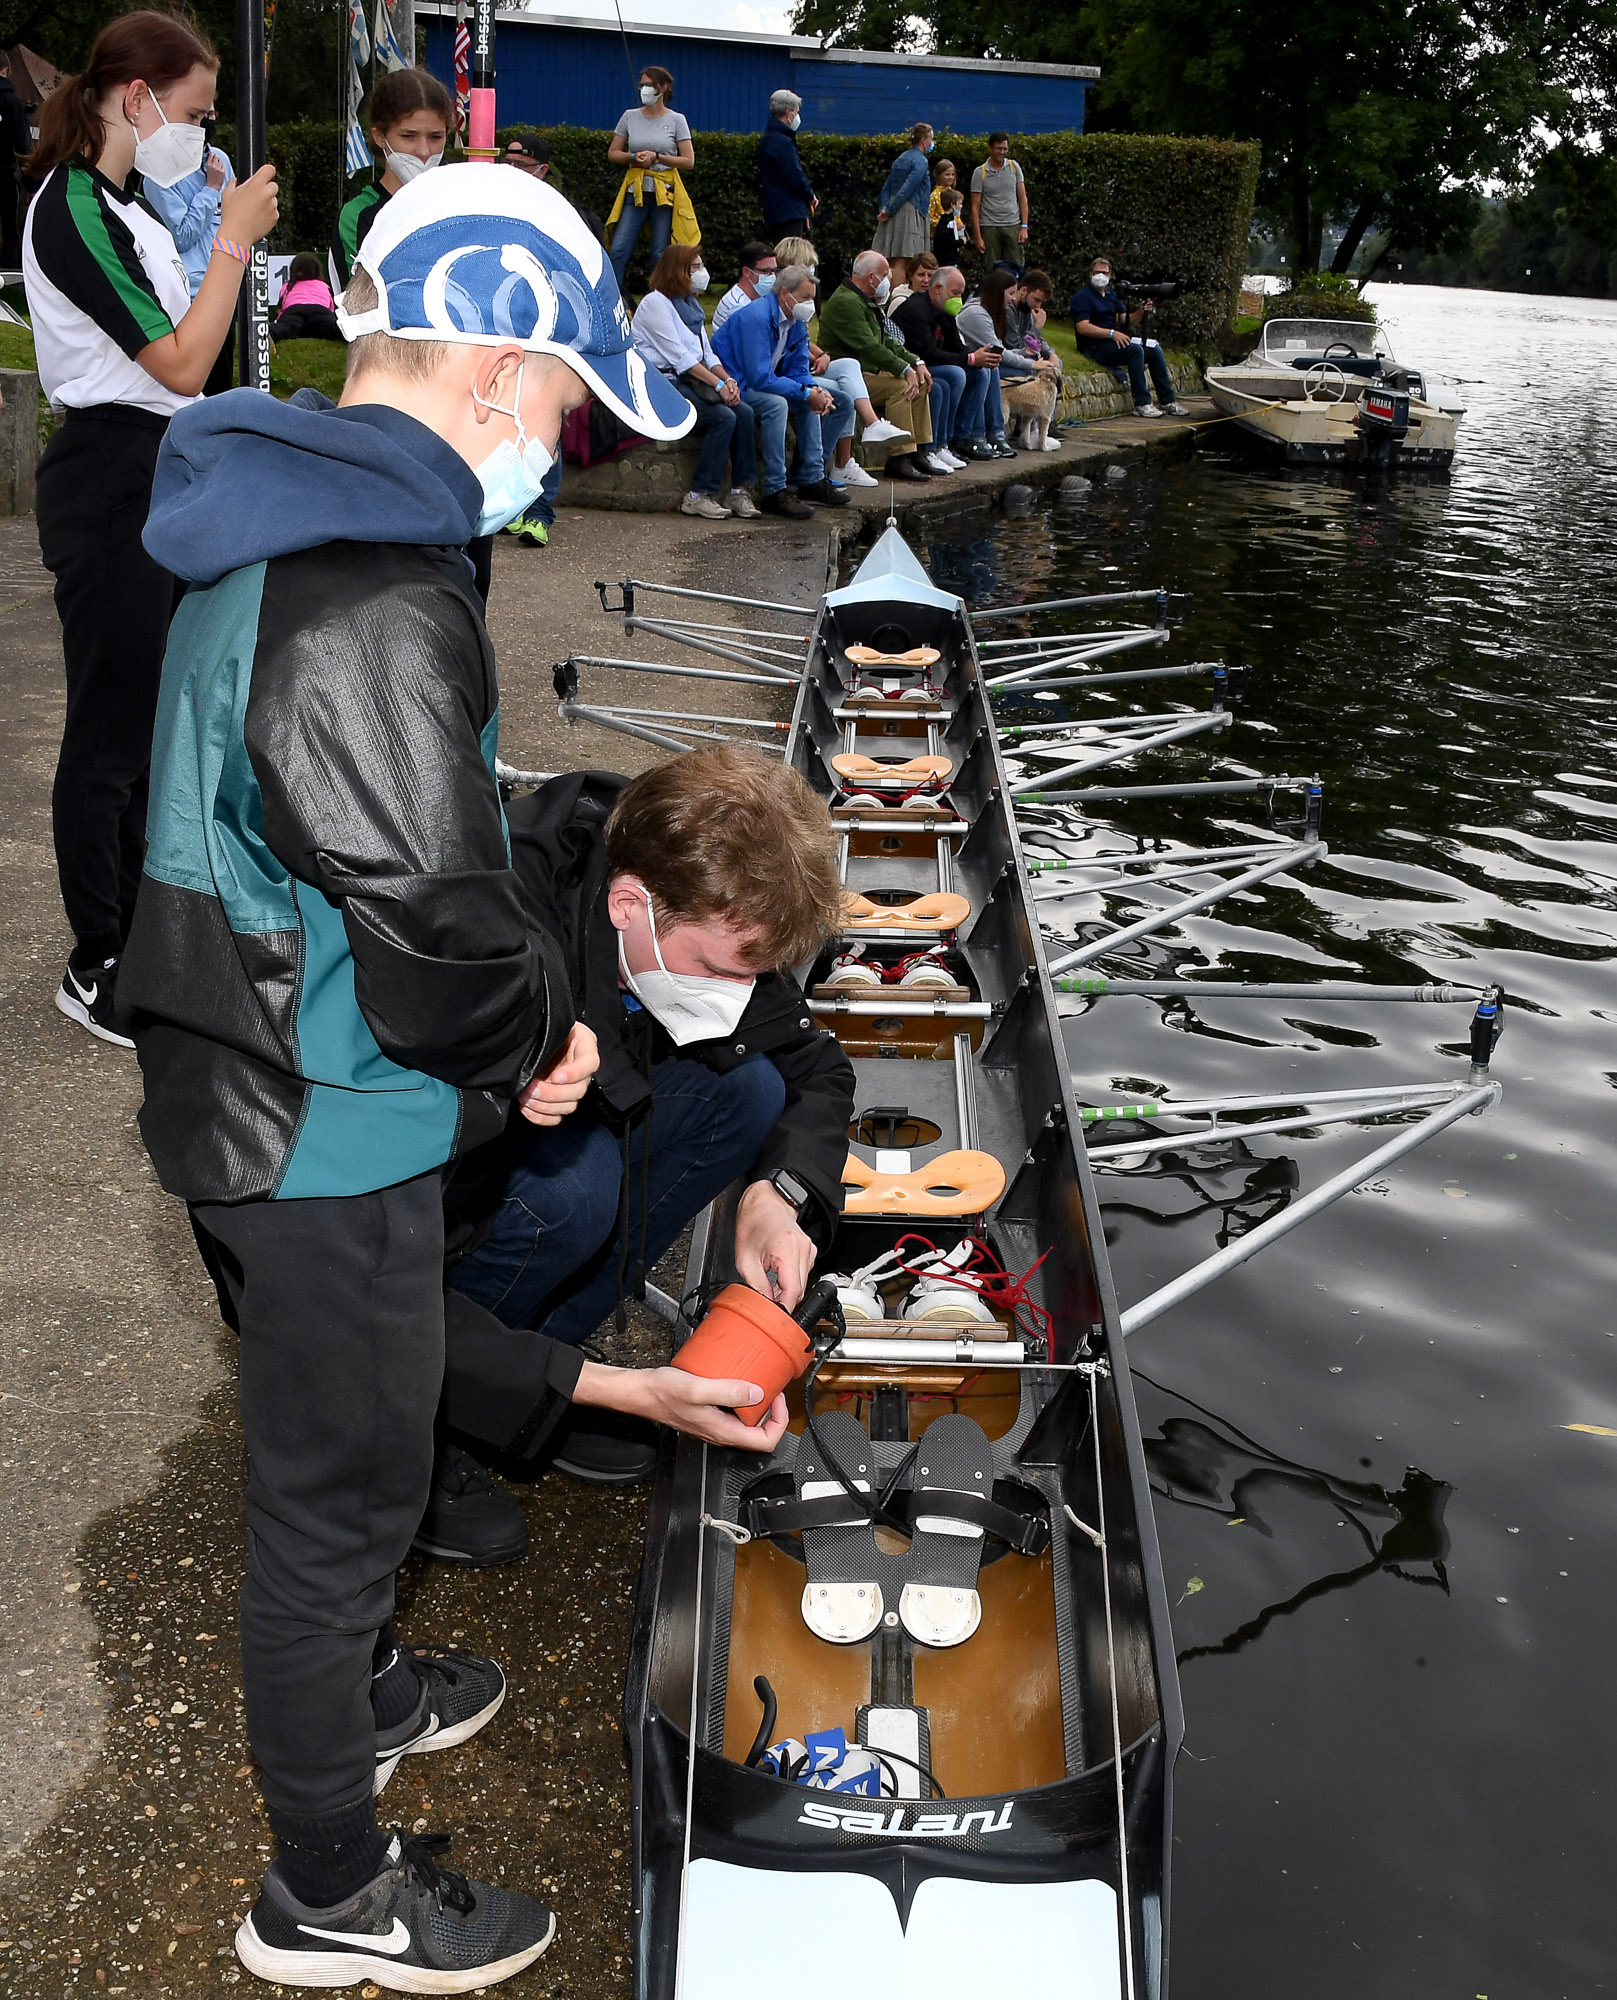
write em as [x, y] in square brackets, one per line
[787, 1185]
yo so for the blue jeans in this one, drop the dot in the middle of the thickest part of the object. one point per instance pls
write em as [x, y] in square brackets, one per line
[989, 414]
[957, 401]
[724, 433]
[771, 412]
[550, 1261]
[833, 426]
[631, 221]
[1136, 358]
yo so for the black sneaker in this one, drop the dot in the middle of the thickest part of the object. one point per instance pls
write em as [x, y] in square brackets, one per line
[603, 1448]
[824, 494]
[785, 502]
[471, 1519]
[88, 998]
[417, 1928]
[459, 1693]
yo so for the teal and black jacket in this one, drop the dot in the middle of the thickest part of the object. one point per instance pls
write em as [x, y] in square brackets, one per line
[330, 979]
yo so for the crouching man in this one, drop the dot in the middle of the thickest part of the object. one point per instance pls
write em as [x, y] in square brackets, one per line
[336, 988]
[678, 900]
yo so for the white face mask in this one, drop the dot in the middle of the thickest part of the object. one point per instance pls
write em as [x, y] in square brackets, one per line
[512, 474]
[689, 1007]
[648, 95]
[1100, 279]
[803, 311]
[765, 281]
[884, 290]
[793, 122]
[699, 278]
[405, 167]
[171, 152]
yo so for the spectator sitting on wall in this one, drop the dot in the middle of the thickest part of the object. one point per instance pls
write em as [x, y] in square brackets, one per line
[949, 237]
[410, 119]
[1107, 336]
[999, 205]
[843, 378]
[652, 142]
[765, 346]
[189, 210]
[670, 332]
[789, 200]
[901, 225]
[960, 375]
[1029, 375]
[921, 274]
[304, 309]
[946, 177]
[977, 330]
[758, 270]
[853, 324]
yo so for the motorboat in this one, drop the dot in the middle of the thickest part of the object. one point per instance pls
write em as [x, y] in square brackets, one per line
[1330, 392]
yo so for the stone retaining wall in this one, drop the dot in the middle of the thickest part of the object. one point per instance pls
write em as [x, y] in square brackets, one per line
[19, 439]
[654, 478]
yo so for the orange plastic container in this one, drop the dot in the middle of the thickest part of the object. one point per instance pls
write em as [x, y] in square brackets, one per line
[747, 1338]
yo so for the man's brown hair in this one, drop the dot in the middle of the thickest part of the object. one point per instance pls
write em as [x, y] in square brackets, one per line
[728, 832]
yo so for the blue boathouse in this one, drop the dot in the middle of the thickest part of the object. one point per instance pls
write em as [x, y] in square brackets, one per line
[558, 71]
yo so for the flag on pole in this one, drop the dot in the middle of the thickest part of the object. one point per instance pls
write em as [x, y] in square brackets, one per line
[388, 52]
[356, 152]
[359, 43]
[463, 70]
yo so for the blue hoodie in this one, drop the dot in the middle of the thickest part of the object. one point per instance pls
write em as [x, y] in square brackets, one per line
[331, 978]
[242, 478]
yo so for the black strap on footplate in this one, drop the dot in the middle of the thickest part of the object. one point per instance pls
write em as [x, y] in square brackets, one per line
[1028, 1534]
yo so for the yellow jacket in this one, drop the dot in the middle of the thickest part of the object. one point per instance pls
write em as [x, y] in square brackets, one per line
[670, 192]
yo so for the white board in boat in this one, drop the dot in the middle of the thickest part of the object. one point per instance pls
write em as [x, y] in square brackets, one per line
[802, 1936]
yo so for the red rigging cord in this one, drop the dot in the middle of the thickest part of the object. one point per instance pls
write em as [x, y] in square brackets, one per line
[984, 1274]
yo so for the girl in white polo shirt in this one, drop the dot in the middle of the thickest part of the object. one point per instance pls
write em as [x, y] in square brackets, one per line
[120, 346]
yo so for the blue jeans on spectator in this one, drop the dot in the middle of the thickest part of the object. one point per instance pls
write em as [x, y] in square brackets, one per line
[834, 426]
[724, 433]
[631, 221]
[957, 401]
[1136, 358]
[550, 1261]
[989, 414]
[771, 412]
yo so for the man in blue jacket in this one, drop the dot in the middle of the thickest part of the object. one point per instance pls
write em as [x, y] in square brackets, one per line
[765, 346]
[335, 990]
[789, 200]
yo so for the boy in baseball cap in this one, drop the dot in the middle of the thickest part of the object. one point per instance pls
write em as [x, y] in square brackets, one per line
[334, 991]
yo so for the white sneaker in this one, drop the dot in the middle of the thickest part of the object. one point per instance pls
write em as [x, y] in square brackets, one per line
[925, 970]
[1146, 410]
[854, 474]
[934, 460]
[937, 1294]
[742, 504]
[882, 432]
[853, 969]
[1174, 410]
[705, 505]
[1052, 444]
[949, 458]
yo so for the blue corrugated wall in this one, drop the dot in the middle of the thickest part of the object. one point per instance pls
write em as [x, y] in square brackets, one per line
[575, 76]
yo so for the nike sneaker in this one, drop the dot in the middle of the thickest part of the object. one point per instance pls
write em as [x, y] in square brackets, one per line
[88, 998]
[415, 1928]
[460, 1692]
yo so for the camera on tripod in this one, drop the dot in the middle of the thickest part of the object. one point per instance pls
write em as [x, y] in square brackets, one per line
[1131, 295]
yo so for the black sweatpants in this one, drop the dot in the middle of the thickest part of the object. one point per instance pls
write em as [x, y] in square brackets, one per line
[94, 493]
[341, 1310]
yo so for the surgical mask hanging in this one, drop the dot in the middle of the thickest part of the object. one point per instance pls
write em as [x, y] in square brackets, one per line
[171, 152]
[512, 474]
[765, 282]
[406, 167]
[689, 1007]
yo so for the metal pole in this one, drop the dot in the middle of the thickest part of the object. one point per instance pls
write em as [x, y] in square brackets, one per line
[480, 135]
[1196, 725]
[680, 673]
[809, 611]
[252, 311]
[1364, 1093]
[1070, 604]
[403, 12]
[1218, 1135]
[1101, 647]
[1234, 989]
[787, 673]
[1201, 1275]
[1200, 785]
[1188, 906]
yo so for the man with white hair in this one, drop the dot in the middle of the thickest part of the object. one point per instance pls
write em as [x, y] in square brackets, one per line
[788, 199]
[929, 322]
[854, 322]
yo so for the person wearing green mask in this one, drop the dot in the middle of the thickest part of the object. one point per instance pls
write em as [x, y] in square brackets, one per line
[960, 375]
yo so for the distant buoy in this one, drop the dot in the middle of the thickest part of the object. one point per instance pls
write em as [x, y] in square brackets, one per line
[1018, 499]
[1116, 472]
[1073, 487]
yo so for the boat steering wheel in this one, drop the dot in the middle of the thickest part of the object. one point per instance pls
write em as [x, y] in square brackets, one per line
[1324, 385]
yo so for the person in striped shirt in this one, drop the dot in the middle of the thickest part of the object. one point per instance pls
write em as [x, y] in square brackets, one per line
[121, 345]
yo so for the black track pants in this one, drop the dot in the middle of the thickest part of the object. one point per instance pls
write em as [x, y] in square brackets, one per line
[340, 1308]
[94, 493]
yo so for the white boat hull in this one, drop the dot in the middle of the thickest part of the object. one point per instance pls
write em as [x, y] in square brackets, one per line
[1317, 430]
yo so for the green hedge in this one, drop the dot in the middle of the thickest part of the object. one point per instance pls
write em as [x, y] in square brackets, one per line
[1158, 207]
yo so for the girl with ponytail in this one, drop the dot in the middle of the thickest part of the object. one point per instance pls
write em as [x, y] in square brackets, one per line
[121, 345]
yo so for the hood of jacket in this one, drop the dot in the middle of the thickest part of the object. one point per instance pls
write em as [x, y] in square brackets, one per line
[242, 478]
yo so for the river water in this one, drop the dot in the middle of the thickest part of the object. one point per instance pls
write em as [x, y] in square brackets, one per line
[1391, 1557]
